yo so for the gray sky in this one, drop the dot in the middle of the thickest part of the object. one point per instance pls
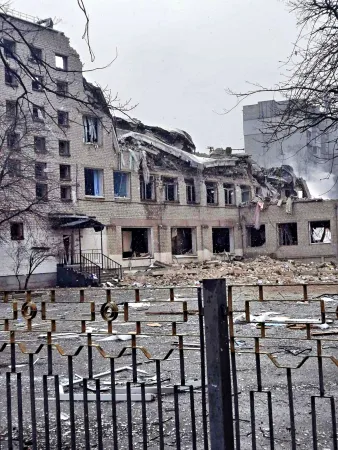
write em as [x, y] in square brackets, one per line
[177, 57]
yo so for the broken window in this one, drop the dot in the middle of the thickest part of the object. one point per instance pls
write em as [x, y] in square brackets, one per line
[212, 193]
[65, 172]
[41, 190]
[288, 234]
[66, 193]
[147, 190]
[13, 141]
[11, 108]
[37, 82]
[63, 118]
[14, 168]
[135, 242]
[94, 182]
[61, 88]
[121, 185]
[17, 231]
[183, 241]
[40, 170]
[170, 189]
[40, 144]
[90, 130]
[229, 194]
[9, 48]
[256, 238]
[61, 62]
[320, 232]
[221, 240]
[36, 54]
[38, 113]
[11, 77]
[245, 194]
[190, 191]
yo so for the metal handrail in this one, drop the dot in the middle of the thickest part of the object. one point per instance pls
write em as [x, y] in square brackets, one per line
[88, 266]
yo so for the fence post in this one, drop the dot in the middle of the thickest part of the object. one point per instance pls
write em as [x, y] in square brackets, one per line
[218, 364]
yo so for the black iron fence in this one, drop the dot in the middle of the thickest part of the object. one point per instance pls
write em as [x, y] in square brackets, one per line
[126, 369]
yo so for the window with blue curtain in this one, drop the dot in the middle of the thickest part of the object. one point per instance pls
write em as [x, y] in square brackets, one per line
[93, 182]
[121, 184]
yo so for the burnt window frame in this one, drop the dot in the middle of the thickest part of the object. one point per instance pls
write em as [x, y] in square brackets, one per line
[280, 237]
[249, 236]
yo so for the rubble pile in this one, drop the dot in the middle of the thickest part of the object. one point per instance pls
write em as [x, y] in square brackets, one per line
[262, 269]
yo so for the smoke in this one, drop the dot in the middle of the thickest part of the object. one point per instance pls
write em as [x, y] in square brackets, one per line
[323, 185]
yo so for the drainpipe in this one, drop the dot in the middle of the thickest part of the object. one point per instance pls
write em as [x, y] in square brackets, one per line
[101, 249]
[336, 208]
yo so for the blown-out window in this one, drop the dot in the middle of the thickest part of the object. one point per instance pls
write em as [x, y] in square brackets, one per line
[90, 130]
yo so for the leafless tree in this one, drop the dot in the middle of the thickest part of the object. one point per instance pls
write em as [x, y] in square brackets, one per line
[29, 253]
[310, 83]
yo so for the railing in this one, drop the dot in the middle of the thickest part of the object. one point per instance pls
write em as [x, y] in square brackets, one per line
[89, 267]
[96, 258]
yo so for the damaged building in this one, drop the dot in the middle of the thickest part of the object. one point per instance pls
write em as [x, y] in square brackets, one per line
[129, 194]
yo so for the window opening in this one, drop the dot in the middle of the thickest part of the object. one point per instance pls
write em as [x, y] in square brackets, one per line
[190, 191]
[63, 118]
[11, 77]
[170, 189]
[17, 231]
[221, 240]
[61, 88]
[64, 148]
[40, 170]
[288, 234]
[90, 129]
[147, 190]
[121, 185]
[37, 81]
[212, 197]
[135, 242]
[256, 238]
[66, 193]
[36, 54]
[38, 113]
[41, 190]
[245, 194]
[320, 232]
[14, 168]
[94, 182]
[11, 108]
[61, 62]
[229, 194]
[65, 172]
[9, 48]
[182, 241]
[40, 144]
[13, 141]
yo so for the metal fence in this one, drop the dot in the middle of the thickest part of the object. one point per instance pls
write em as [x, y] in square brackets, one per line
[126, 369]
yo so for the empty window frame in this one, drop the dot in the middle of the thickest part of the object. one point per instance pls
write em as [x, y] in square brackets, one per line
[16, 229]
[65, 172]
[183, 241]
[14, 168]
[63, 118]
[37, 82]
[288, 233]
[36, 55]
[121, 184]
[320, 232]
[9, 48]
[212, 192]
[38, 113]
[66, 193]
[11, 108]
[256, 238]
[61, 88]
[40, 170]
[64, 148]
[170, 189]
[190, 191]
[221, 240]
[229, 194]
[40, 144]
[245, 194]
[147, 190]
[11, 77]
[61, 62]
[90, 130]
[13, 141]
[94, 182]
[136, 242]
[41, 191]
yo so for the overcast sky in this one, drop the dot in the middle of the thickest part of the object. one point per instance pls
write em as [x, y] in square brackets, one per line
[177, 57]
